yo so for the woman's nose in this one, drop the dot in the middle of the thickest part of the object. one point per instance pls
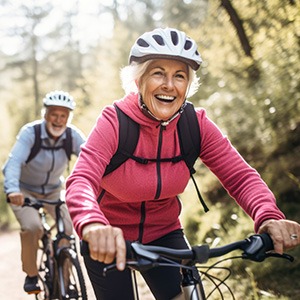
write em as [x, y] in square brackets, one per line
[168, 82]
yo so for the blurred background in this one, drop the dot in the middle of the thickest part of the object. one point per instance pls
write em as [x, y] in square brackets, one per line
[250, 87]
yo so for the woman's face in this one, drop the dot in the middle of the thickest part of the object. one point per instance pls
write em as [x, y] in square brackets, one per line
[56, 120]
[163, 87]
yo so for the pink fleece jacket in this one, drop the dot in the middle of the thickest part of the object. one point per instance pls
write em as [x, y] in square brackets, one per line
[142, 199]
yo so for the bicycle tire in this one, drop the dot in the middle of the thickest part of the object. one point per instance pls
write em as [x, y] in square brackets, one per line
[44, 294]
[46, 276]
[70, 276]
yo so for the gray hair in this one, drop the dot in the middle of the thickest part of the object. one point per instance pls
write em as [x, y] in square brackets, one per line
[133, 72]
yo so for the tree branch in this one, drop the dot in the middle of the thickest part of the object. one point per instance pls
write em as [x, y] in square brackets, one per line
[238, 24]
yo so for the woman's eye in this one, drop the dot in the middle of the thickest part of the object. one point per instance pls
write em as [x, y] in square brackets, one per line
[182, 76]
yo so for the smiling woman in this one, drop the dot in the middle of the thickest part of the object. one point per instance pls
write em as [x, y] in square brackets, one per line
[145, 207]
[163, 87]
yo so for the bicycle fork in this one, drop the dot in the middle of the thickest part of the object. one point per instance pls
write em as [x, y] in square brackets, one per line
[191, 285]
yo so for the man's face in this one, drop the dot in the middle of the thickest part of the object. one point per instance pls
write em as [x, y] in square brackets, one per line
[56, 120]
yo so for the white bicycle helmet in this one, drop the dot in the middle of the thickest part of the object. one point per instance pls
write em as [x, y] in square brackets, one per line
[59, 98]
[165, 43]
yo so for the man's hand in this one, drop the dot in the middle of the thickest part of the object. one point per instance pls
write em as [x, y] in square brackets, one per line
[16, 198]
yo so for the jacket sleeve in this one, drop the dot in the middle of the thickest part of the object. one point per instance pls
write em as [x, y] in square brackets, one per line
[242, 182]
[17, 158]
[84, 184]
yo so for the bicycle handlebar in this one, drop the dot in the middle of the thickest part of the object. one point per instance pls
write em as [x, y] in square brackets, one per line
[39, 203]
[256, 248]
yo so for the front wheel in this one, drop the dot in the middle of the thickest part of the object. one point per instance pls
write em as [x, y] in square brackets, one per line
[46, 275]
[44, 294]
[70, 276]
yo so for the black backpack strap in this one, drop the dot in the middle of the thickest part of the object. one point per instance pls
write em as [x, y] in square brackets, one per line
[190, 142]
[68, 143]
[189, 136]
[129, 132]
[37, 143]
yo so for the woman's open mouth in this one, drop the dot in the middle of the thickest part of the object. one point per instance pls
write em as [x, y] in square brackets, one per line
[165, 98]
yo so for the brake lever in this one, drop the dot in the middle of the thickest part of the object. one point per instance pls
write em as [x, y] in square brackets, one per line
[284, 255]
[129, 264]
[140, 265]
[108, 268]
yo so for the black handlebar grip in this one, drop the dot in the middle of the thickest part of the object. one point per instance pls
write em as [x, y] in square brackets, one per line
[26, 200]
[84, 248]
[267, 241]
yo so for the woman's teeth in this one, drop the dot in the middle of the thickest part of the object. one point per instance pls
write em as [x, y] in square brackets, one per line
[165, 98]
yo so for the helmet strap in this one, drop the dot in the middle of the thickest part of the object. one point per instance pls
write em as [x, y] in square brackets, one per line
[150, 115]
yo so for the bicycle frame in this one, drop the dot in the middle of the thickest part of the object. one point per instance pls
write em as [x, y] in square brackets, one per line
[56, 260]
[192, 288]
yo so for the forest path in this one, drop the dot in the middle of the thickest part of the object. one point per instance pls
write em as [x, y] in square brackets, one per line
[12, 277]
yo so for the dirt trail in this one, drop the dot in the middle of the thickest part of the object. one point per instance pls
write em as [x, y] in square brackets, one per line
[12, 276]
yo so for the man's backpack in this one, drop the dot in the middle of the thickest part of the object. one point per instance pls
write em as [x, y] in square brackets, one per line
[37, 146]
[189, 138]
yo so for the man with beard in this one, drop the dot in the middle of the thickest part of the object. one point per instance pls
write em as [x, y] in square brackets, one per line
[35, 170]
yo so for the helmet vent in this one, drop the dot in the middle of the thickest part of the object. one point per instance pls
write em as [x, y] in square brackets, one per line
[159, 40]
[188, 45]
[142, 43]
[174, 37]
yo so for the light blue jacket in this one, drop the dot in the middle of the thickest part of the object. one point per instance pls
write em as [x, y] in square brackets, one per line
[44, 173]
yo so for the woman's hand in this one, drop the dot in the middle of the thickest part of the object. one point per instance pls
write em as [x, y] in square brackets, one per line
[284, 233]
[106, 243]
[16, 198]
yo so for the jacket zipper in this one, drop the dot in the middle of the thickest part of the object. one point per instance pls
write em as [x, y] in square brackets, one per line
[48, 173]
[158, 157]
[158, 190]
[142, 221]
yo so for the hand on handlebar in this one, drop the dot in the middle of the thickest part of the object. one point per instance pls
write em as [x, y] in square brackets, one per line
[106, 243]
[16, 198]
[284, 233]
